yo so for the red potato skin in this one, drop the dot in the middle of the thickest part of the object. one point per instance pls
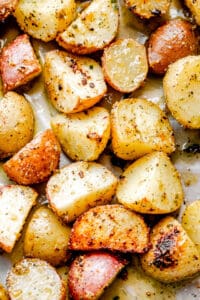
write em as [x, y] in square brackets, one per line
[35, 162]
[6, 8]
[91, 273]
[170, 42]
[18, 63]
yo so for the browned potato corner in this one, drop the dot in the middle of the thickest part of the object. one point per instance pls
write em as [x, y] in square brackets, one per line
[6, 8]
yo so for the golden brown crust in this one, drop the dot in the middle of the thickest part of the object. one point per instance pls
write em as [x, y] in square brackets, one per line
[6, 8]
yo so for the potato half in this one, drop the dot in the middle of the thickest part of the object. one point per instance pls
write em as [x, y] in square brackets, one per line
[139, 127]
[84, 135]
[181, 89]
[173, 256]
[44, 19]
[151, 185]
[79, 186]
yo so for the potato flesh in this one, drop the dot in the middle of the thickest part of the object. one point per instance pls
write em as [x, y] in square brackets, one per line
[139, 127]
[151, 185]
[79, 186]
[44, 229]
[84, 135]
[194, 7]
[181, 88]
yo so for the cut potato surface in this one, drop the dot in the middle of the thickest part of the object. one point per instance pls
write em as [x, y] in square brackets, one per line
[6, 8]
[139, 127]
[170, 42]
[16, 123]
[15, 201]
[79, 186]
[84, 135]
[125, 65]
[151, 185]
[36, 161]
[46, 18]
[93, 29]
[110, 227]
[73, 83]
[90, 274]
[194, 7]
[148, 8]
[191, 222]
[181, 88]
[3, 293]
[44, 229]
[34, 279]
[173, 255]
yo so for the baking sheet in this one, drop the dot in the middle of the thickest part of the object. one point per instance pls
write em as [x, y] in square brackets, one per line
[134, 284]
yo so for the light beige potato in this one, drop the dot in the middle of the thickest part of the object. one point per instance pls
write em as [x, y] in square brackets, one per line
[125, 65]
[77, 187]
[151, 185]
[181, 89]
[148, 8]
[191, 222]
[112, 227]
[32, 278]
[93, 29]
[73, 83]
[44, 19]
[84, 135]
[46, 237]
[15, 202]
[139, 127]
[16, 123]
[36, 161]
[194, 7]
[3, 293]
[173, 256]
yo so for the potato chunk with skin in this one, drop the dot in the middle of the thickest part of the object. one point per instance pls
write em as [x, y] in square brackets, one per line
[45, 19]
[93, 29]
[32, 278]
[73, 83]
[79, 186]
[84, 135]
[18, 63]
[44, 229]
[6, 8]
[36, 161]
[139, 127]
[16, 123]
[125, 65]
[181, 86]
[91, 273]
[173, 255]
[15, 201]
[148, 8]
[191, 222]
[110, 227]
[170, 42]
[194, 7]
[151, 185]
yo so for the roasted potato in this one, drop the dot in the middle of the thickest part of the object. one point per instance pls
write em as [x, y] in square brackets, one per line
[16, 123]
[91, 273]
[173, 256]
[6, 8]
[148, 8]
[32, 278]
[181, 86]
[139, 127]
[44, 19]
[73, 83]
[93, 29]
[151, 185]
[36, 161]
[110, 227]
[44, 229]
[84, 135]
[79, 186]
[125, 65]
[191, 222]
[3, 293]
[16, 203]
[194, 7]
[170, 42]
